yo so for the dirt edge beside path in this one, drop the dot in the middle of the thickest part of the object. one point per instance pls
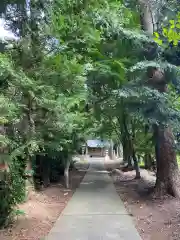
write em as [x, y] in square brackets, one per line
[42, 210]
[154, 218]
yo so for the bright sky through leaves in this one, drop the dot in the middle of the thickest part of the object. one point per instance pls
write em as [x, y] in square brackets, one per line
[4, 34]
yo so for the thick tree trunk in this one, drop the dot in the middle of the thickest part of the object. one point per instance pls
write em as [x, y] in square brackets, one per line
[167, 181]
[167, 169]
[127, 158]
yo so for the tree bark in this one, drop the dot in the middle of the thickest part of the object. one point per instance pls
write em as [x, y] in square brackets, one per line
[45, 171]
[167, 181]
[111, 149]
[129, 161]
[127, 150]
[136, 165]
[124, 151]
[37, 177]
[146, 17]
[127, 158]
[148, 161]
[147, 156]
[119, 149]
[66, 174]
[167, 176]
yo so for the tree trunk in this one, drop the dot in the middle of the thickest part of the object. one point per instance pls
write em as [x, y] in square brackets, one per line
[147, 156]
[45, 171]
[129, 161]
[136, 165]
[167, 181]
[127, 141]
[147, 161]
[127, 158]
[111, 149]
[119, 155]
[37, 177]
[66, 174]
[167, 177]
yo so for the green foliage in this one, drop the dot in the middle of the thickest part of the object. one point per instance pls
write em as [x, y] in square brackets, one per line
[42, 95]
[78, 53]
[169, 32]
[17, 180]
[6, 203]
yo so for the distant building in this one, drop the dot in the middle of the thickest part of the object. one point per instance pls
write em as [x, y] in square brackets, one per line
[97, 148]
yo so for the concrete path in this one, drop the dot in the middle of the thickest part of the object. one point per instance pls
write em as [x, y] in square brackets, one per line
[95, 211]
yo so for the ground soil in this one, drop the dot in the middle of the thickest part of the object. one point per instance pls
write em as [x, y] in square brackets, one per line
[41, 211]
[154, 218]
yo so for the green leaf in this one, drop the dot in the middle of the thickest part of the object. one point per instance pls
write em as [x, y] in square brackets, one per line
[158, 41]
[156, 34]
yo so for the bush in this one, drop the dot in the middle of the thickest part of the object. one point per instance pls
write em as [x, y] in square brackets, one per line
[6, 203]
[12, 189]
[18, 180]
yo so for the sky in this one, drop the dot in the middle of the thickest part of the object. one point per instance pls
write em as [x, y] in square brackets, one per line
[4, 34]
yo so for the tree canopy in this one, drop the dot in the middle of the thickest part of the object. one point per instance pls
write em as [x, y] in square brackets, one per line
[79, 68]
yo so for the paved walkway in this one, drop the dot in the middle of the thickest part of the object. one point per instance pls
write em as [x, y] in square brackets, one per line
[95, 211]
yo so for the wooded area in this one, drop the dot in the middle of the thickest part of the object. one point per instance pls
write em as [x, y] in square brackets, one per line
[76, 69]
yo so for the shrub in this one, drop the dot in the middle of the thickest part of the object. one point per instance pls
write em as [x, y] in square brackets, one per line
[6, 202]
[18, 180]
